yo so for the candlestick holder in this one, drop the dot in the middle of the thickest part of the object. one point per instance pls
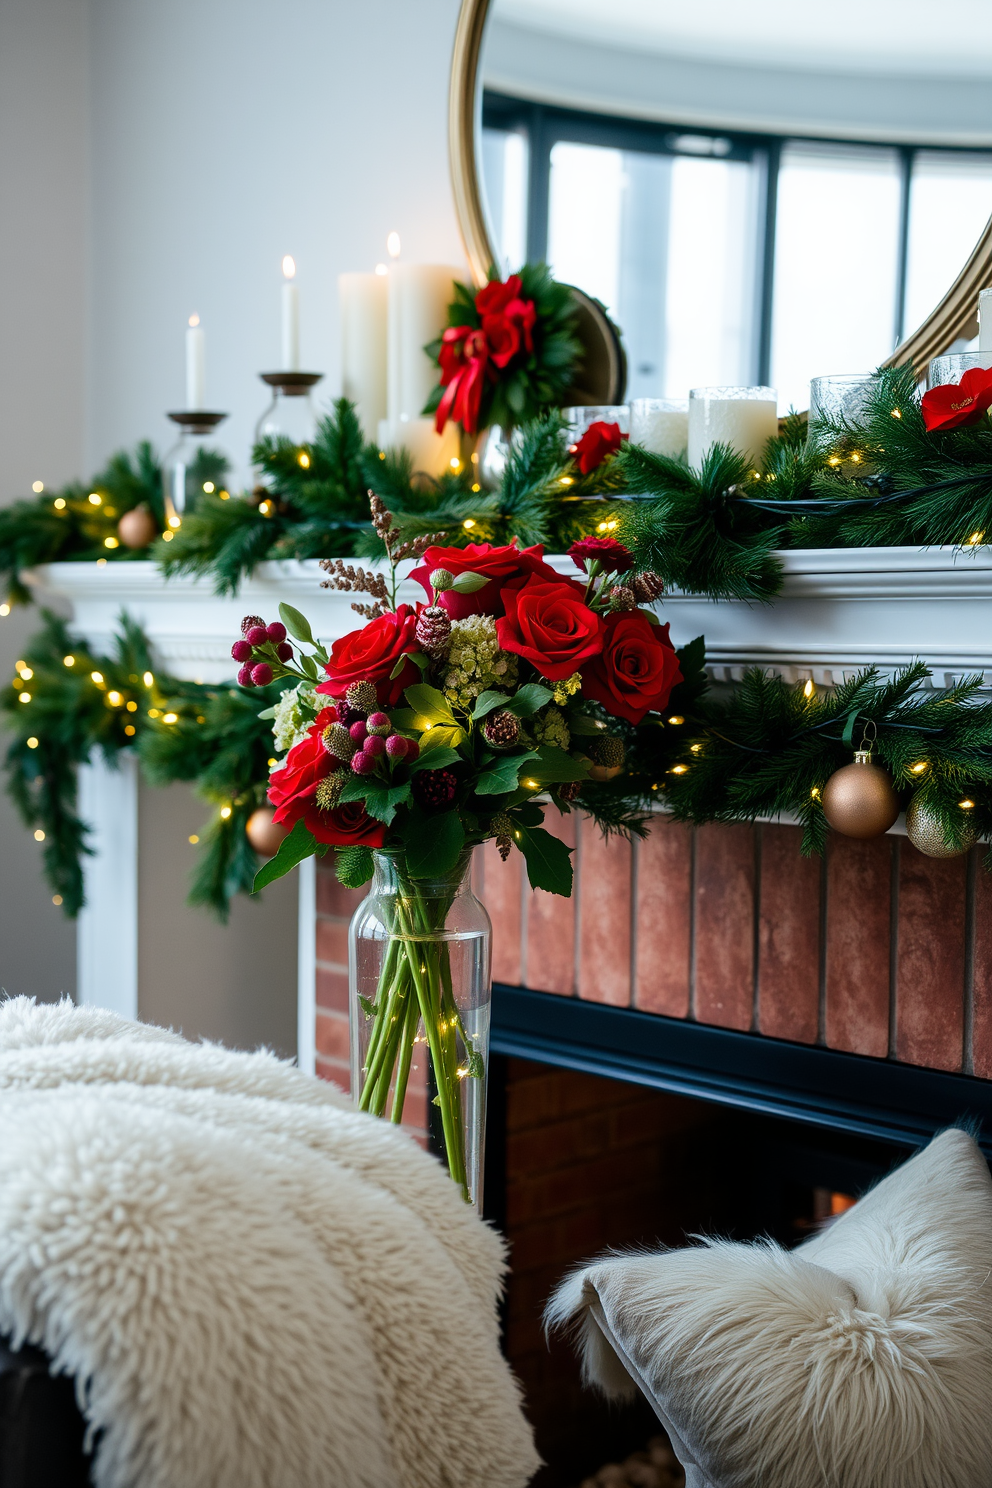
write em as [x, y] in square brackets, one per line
[291, 413]
[191, 467]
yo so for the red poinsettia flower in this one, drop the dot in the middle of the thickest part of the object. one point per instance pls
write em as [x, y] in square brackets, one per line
[463, 357]
[956, 403]
[596, 445]
[494, 297]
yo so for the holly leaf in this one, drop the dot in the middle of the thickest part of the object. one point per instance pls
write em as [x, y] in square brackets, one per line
[429, 704]
[528, 699]
[555, 766]
[298, 625]
[548, 860]
[503, 776]
[300, 844]
[433, 843]
[353, 866]
[435, 757]
[469, 583]
[381, 800]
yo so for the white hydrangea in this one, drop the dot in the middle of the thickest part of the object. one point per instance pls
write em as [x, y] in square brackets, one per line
[293, 714]
[475, 661]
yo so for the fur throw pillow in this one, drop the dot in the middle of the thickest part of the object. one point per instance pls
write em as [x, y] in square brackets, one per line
[861, 1359]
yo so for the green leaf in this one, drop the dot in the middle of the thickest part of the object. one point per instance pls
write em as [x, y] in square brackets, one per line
[440, 737]
[503, 777]
[381, 800]
[435, 757]
[268, 713]
[487, 701]
[548, 860]
[420, 661]
[555, 766]
[353, 866]
[310, 667]
[293, 849]
[298, 625]
[469, 583]
[433, 843]
[428, 703]
[529, 698]
[582, 725]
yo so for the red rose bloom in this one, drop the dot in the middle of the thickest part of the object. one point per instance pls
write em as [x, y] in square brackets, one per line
[371, 653]
[523, 314]
[598, 442]
[346, 826]
[497, 564]
[956, 403]
[549, 625]
[637, 669]
[502, 337]
[306, 766]
[293, 792]
[494, 297]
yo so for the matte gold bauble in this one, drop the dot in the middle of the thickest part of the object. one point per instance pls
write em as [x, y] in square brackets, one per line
[137, 528]
[859, 800]
[925, 832]
[263, 833]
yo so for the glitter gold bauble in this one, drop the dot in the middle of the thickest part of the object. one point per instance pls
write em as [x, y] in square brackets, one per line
[265, 835]
[137, 528]
[858, 800]
[925, 832]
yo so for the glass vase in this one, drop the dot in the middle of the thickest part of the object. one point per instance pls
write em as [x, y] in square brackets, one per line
[419, 971]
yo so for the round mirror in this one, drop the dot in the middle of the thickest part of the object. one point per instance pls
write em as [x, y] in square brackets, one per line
[756, 194]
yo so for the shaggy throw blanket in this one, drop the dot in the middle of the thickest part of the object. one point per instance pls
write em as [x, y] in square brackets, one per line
[253, 1285]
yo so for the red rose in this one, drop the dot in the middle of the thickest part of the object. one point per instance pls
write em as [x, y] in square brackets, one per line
[637, 669]
[956, 403]
[523, 314]
[502, 337]
[494, 297]
[497, 564]
[293, 792]
[550, 625]
[306, 766]
[346, 826]
[598, 442]
[371, 654]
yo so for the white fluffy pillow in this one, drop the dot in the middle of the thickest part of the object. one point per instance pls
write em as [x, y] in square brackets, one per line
[861, 1359]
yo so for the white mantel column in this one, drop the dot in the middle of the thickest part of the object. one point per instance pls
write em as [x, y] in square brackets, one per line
[107, 945]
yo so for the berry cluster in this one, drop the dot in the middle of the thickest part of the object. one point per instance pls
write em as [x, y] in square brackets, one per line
[361, 736]
[261, 645]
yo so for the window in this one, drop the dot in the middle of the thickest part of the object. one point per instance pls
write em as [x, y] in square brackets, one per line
[733, 258]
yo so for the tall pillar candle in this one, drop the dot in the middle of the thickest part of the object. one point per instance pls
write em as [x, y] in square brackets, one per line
[417, 312]
[743, 417]
[363, 346]
[290, 318]
[660, 425]
[196, 365]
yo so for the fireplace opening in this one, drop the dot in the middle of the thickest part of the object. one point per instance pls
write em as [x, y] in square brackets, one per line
[579, 1163]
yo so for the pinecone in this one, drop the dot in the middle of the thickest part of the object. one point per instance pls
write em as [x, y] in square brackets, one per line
[647, 586]
[501, 729]
[328, 792]
[434, 630]
[500, 828]
[607, 749]
[363, 697]
[249, 622]
[434, 789]
[622, 597]
[568, 792]
[337, 741]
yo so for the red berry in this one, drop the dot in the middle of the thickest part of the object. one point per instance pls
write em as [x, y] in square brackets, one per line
[362, 763]
[378, 723]
[241, 651]
[257, 636]
[397, 746]
[358, 731]
[284, 651]
[412, 750]
[375, 746]
[261, 675]
[244, 677]
[249, 621]
[276, 631]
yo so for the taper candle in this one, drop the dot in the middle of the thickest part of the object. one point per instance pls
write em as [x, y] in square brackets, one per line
[290, 318]
[196, 365]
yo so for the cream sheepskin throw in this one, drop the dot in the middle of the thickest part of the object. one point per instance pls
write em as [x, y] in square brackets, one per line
[253, 1285]
[861, 1359]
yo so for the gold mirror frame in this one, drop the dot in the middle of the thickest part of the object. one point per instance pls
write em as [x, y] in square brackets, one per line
[954, 317]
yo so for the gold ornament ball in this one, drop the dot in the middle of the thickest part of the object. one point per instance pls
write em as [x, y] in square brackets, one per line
[137, 528]
[859, 801]
[925, 832]
[263, 833]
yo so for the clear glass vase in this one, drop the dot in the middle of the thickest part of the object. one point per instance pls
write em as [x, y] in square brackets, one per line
[419, 964]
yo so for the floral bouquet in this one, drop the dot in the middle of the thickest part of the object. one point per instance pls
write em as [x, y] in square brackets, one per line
[432, 728]
[509, 351]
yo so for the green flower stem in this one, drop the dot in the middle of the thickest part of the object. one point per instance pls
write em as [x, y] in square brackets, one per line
[408, 1039]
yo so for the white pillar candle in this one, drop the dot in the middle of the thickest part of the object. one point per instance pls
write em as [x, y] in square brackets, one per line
[363, 346]
[290, 318]
[985, 320]
[660, 425]
[196, 365]
[744, 418]
[417, 312]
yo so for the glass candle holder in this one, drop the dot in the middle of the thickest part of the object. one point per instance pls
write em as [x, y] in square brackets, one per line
[579, 419]
[660, 425]
[193, 465]
[291, 413]
[839, 397]
[945, 369]
[743, 417]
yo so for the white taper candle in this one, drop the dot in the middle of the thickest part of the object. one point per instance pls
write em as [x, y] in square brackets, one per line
[196, 365]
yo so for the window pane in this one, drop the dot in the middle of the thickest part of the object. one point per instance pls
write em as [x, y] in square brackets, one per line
[584, 211]
[504, 171]
[950, 202]
[836, 251]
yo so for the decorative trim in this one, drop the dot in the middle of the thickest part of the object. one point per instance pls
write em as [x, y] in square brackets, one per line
[877, 1098]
